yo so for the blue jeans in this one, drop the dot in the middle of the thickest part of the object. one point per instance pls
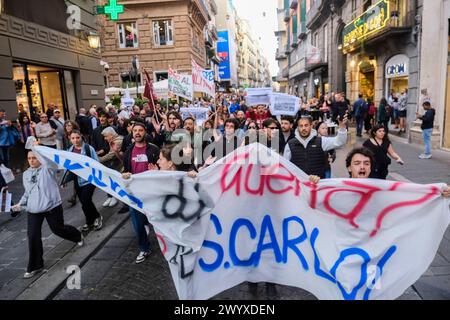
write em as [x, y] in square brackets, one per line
[328, 174]
[426, 133]
[139, 221]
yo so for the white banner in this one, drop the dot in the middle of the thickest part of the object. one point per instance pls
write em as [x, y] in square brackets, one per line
[181, 85]
[284, 104]
[203, 80]
[199, 114]
[258, 96]
[255, 217]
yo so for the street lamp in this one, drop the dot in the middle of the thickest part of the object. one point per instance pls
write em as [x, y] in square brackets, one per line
[94, 40]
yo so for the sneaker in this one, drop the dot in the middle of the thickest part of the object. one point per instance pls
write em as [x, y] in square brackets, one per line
[107, 202]
[98, 223]
[142, 256]
[425, 156]
[81, 243]
[29, 275]
[86, 228]
[113, 202]
[125, 209]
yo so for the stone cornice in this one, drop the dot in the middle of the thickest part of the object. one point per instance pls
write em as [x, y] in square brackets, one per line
[17, 28]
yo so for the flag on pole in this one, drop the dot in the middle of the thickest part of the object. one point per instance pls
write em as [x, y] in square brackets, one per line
[149, 91]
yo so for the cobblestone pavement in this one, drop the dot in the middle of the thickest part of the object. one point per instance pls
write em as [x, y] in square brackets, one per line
[112, 274]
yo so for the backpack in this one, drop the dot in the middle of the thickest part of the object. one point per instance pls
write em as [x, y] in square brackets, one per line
[372, 109]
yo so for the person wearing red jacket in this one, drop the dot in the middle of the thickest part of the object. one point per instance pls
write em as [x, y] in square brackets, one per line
[259, 115]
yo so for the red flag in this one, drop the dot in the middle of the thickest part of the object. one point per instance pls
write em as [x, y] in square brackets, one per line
[149, 91]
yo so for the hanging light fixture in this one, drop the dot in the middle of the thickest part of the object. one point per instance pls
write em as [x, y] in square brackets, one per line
[94, 40]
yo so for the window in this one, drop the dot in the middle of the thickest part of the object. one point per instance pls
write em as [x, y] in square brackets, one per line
[163, 33]
[128, 37]
[162, 75]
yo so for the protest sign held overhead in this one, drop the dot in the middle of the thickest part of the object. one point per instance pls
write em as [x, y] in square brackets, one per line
[258, 96]
[181, 85]
[203, 80]
[200, 114]
[284, 104]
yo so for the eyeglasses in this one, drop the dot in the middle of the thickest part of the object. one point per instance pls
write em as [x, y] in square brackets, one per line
[43, 117]
[252, 127]
[272, 128]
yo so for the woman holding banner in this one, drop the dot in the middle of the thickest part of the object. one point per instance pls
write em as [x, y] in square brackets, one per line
[43, 205]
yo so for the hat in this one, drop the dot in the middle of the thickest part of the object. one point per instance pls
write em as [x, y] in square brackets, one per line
[140, 124]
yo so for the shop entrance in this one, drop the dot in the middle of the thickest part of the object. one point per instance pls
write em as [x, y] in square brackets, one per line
[367, 79]
[39, 86]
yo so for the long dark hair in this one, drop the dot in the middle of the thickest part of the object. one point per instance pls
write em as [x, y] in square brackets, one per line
[377, 127]
[383, 102]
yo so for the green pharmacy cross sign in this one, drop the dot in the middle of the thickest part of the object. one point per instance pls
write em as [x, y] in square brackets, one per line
[113, 9]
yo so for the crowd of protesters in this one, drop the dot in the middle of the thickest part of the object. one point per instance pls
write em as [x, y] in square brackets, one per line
[139, 139]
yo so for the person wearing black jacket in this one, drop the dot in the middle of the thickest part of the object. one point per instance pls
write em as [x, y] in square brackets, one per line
[427, 128]
[287, 132]
[140, 157]
[85, 124]
[98, 140]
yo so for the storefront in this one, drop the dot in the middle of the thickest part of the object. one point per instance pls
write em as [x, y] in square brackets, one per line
[397, 74]
[38, 86]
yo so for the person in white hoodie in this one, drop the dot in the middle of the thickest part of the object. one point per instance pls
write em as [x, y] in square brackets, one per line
[42, 200]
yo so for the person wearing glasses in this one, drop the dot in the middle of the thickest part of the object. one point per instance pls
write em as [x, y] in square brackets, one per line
[42, 200]
[306, 151]
[268, 136]
[45, 133]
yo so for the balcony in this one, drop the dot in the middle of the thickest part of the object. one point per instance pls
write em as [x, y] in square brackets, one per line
[314, 13]
[213, 6]
[287, 15]
[213, 30]
[302, 30]
[399, 21]
[280, 55]
[294, 4]
[208, 39]
[285, 72]
[287, 49]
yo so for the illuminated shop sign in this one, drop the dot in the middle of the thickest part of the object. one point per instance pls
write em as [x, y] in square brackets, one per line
[397, 66]
[371, 21]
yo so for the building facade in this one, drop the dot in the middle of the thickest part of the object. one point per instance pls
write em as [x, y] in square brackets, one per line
[227, 45]
[162, 34]
[435, 68]
[282, 41]
[45, 57]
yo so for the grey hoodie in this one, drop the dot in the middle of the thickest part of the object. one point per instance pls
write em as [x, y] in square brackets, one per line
[41, 188]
